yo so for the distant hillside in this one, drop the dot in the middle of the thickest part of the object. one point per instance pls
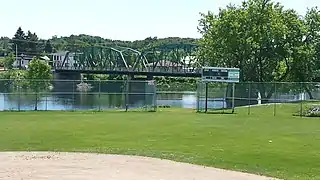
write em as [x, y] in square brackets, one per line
[29, 43]
[86, 40]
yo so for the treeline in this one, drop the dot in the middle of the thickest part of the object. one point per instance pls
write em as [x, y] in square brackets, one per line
[82, 40]
[29, 43]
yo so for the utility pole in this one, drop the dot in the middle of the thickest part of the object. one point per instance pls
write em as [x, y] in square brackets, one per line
[21, 59]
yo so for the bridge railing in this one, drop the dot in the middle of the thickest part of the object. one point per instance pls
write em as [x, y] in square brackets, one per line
[124, 69]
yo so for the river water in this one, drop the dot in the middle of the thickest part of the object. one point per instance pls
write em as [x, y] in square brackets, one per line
[101, 101]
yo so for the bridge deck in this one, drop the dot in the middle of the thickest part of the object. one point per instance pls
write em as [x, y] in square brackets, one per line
[124, 71]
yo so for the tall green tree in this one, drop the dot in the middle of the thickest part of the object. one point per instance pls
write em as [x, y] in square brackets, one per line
[19, 41]
[48, 47]
[38, 76]
[4, 46]
[306, 64]
[32, 42]
[8, 61]
[267, 42]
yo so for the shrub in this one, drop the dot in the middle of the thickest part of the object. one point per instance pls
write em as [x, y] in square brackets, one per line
[312, 111]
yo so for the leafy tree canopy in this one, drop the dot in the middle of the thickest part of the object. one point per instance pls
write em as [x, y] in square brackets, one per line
[8, 61]
[266, 41]
[38, 75]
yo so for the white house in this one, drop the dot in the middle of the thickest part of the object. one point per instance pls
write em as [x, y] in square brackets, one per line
[22, 61]
[58, 58]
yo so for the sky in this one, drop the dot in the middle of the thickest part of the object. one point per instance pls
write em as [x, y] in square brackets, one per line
[115, 19]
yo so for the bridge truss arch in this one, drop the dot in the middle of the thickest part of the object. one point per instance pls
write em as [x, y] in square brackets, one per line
[162, 59]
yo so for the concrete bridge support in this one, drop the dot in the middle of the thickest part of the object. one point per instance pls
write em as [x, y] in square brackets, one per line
[67, 76]
[139, 91]
[66, 82]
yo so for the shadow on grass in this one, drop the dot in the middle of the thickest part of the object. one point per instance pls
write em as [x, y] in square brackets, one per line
[219, 113]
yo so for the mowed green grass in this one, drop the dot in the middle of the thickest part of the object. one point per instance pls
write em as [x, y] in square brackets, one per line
[233, 141]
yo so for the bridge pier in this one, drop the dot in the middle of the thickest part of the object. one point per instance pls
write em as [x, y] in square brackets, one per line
[65, 82]
[138, 90]
[67, 76]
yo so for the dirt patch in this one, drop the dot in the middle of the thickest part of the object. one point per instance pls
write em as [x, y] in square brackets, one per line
[88, 166]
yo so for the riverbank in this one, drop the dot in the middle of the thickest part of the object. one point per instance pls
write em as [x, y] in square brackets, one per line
[260, 143]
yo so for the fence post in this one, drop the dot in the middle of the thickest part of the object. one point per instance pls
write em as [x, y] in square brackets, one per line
[127, 92]
[47, 102]
[206, 103]
[249, 107]
[224, 99]
[155, 95]
[47, 93]
[36, 105]
[197, 96]
[19, 96]
[275, 95]
[233, 94]
[73, 94]
[301, 98]
[99, 95]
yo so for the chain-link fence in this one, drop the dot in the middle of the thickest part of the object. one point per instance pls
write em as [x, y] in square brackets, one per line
[220, 96]
[77, 95]
[142, 95]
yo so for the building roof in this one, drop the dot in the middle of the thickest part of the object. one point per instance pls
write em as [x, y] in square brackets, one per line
[25, 57]
[46, 58]
[63, 53]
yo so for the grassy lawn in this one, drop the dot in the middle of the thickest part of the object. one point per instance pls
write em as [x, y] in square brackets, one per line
[283, 146]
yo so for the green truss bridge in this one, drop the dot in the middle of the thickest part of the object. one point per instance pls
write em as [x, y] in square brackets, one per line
[177, 60]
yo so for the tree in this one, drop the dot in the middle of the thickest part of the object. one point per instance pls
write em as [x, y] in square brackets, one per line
[261, 38]
[19, 41]
[38, 70]
[48, 47]
[4, 46]
[38, 76]
[306, 64]
[32, 43]
[8, 61]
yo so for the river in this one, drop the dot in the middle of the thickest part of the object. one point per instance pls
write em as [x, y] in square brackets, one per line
[64, 101]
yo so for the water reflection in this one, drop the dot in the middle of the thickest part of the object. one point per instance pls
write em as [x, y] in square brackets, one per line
[74, 101]
[187, 100]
